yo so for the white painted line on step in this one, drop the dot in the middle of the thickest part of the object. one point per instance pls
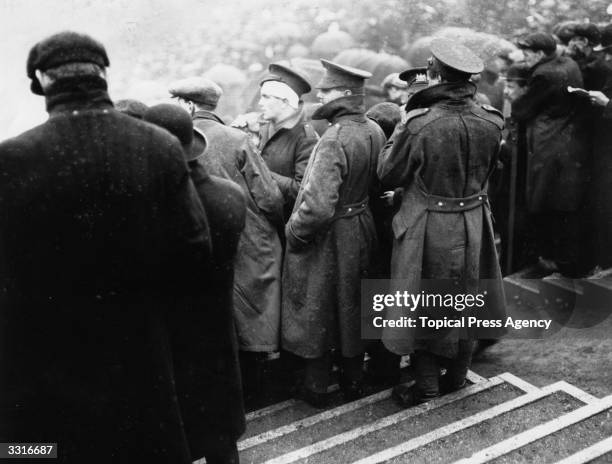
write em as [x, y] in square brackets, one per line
[540, 431]
[312, 420]
[450, 429]
[384, 422]
[590, 453]
[577, 392]
[474, 377]
[269, 410]
[518, 382]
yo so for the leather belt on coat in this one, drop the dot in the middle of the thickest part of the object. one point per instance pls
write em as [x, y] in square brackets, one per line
[350, 210]
[455, 205]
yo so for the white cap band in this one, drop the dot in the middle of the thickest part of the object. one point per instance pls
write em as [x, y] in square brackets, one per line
[281, 90]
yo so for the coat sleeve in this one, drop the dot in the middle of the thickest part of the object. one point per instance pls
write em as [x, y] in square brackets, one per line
[290, 186]
[320, 193]
[539, 91]
[394, 163]
[262, 187]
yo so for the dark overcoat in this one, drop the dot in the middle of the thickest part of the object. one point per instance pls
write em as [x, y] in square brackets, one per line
[206, 349]
[101, 234]
[442, 157]
[286, 148]
[331, 235]
[558, 149]
[257, 272]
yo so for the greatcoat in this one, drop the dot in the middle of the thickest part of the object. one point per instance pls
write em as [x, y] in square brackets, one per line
[331, 235]
[101, 236]
[257, 271]
[442, 157]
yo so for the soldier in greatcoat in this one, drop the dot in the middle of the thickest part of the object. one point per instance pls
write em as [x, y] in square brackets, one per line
[331, 238]
[442, 157]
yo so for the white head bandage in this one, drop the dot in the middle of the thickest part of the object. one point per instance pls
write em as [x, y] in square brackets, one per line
[281, 90]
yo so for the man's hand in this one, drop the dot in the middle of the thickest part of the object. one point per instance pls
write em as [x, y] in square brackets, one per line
[388, 197]
[598, 98]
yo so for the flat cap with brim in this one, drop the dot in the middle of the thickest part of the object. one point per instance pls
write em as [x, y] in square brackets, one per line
[131, 107]
[339, 75]
[61, 48]
[606, 38]
[414, 74]
[281, 73]
[177, 121]
[197, 89]
[518, 72]
[538, 41]
[587, 30]
[456, 56]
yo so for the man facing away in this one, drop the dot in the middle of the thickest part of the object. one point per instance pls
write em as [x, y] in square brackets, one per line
[102, 236]
[442, 157]
[331, 238]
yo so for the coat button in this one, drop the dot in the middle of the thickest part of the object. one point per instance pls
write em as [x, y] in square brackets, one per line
[440, 203]
[461, 203]
[350, 209]
[480, 198]
[75, 112]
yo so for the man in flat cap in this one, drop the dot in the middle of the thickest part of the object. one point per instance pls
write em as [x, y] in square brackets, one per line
[557, 155]
[210, 397]
[286, 139]
[102, 235]
[331, 238]
[442, 157]
[584, 38]
[257, 274]
[395, 88]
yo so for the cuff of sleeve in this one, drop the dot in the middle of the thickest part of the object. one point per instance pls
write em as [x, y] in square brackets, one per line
[293, 237]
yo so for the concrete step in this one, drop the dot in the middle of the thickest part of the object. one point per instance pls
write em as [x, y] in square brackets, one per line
[555, 439]
[329, 435]
[459, 439]
[600, 452]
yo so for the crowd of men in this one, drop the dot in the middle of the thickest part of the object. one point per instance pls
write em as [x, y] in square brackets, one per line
[152, 258]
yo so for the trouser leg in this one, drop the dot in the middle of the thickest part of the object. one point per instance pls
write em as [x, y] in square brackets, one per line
[317, 373]
[457, 367]
[223, 451]
[427, 373]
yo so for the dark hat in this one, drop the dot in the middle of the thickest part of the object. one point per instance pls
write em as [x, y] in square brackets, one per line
[281, 73]
[338, 75]
[177, 121]
[518, 72]
[564, 30]
[197, 89]
[589, 31]
[538, 41]
[61, 48]
[414, 75]
[386, 115]
[131, 107]
[606, 38]
[456, 56]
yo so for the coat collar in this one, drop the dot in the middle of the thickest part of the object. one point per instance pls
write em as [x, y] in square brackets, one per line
[208, 115]
[352, 106]
[83, 94]
[452, 94]
[269, 129]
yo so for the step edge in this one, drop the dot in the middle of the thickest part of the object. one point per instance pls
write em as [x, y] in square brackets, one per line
[381, 423]
[518, 382]
[455, 427]
[474, 377]
[576, 392]
[259, 413]
[540, 431]
[587, 454]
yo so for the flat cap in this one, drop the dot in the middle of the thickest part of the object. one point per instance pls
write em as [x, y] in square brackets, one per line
[339, 75]
[538, 41]
[131, 107]
[197, 89]
[606, 38]
[394, 80]
[518, 72]
[61, 48]
[281, 73]
[588, 30]
[564, 30]
[456, 56]
[177, 121]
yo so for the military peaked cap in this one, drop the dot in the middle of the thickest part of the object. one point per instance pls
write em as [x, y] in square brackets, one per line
[456, 56]
[414, 75]
[61, 48]
[338, 75]
[606, 38]
[197, 89]
[281, 73]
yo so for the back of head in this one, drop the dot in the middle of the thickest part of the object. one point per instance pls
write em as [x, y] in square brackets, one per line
[386, 115]
[68, 57]
[131, 107]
